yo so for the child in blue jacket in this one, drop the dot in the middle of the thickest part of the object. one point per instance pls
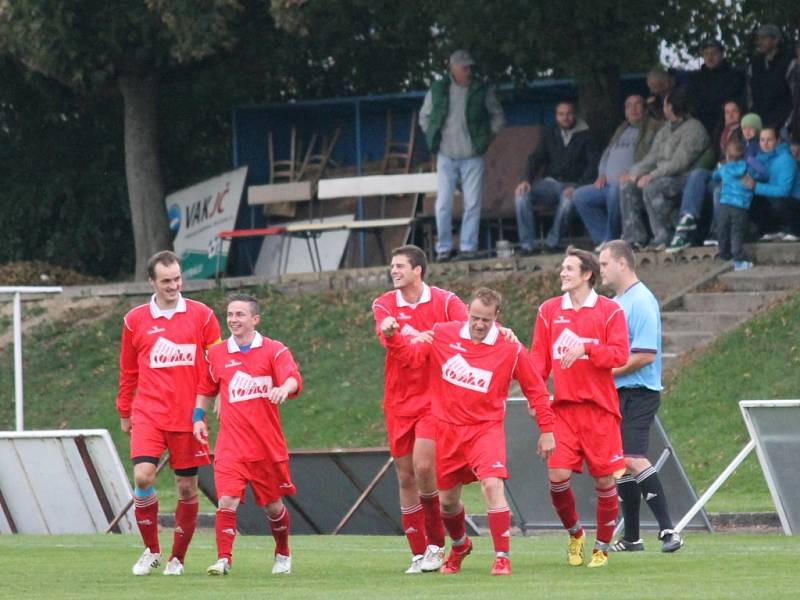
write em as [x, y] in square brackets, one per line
[735, 200]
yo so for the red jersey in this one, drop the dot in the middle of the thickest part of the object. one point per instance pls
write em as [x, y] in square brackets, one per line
[249, 423]
[406, 391]
[469, 382]
[600, 326]
[161, 362]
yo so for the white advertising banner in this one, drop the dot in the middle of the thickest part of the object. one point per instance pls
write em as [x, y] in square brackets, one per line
[197, 214]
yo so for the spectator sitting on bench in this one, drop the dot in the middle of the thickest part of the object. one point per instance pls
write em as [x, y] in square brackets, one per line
[567, 157]
[598, 203]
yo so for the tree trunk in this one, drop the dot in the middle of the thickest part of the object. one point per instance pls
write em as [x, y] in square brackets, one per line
[142, 169]
[601, 102]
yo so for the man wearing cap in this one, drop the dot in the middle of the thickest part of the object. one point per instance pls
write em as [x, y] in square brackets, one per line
[770, 96]
[713, 84]
[459, 116]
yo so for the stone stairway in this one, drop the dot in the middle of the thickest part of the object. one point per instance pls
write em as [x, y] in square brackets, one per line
[698, 317]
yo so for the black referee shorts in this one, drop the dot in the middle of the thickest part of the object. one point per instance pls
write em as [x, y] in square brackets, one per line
[638, 407]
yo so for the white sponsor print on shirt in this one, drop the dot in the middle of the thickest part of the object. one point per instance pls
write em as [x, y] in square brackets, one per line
[155, 329]
[409, 331]
[567, 341]
[232, 363]
[404, 317]
[459, 372]
[458, 346]
[166, 354]
[560, 319]
[246, 387]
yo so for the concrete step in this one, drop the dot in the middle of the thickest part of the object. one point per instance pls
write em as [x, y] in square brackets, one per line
[762, 279]
[668, 360]
[741, 302]
[700, 321]
[678, 342]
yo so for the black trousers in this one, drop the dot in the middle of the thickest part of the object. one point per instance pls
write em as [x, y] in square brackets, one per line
[776, 215]
[731, 231]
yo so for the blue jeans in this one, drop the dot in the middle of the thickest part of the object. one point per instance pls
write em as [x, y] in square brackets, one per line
[545, 192]
[698, 186]
[470, 171]
[599, 211]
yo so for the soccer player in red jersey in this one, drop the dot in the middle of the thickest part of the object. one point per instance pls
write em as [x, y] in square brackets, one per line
[470, 365]
[253, 375]
[410, 427]
[579, 338]
[161, 363]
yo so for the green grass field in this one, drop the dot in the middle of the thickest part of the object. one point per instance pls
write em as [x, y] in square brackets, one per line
[710, 566]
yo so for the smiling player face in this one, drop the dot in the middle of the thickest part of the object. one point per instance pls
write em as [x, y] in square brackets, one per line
[571, 277]
[241, 321]
[402, 273]
[167, 284]
[481, 319]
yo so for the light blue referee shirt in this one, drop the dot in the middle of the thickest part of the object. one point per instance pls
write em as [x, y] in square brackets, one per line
[644, 335]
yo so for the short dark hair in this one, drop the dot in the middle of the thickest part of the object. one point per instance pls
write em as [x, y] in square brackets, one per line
[164, 258]
[242, 297]
[568, 101]
[621, 249]
[488, 297]
[415, 255]
[735, 148]
[773, 129]
[588, 262]
[678, 101]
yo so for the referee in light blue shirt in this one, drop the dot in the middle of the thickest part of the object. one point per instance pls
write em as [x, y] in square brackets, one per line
[639, 388]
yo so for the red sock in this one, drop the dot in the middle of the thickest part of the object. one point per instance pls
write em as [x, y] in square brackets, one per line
[146, 512]
[500, 528]
[607, 510]
[185, 522]
[564, 503]
[434, 528]
[455, 524]
[226, 533]
[413, 520]
[280, 531]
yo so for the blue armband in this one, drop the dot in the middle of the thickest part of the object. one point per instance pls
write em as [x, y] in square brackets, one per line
[198, 414]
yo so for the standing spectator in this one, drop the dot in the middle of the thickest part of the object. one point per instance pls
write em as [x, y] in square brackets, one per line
[160, 368]
[638, 384]
[770, 96]
[700, 185]
[459, 116]
[777, 207]
[735, 200]
[655, 183]
[253, 375]
[470, 366]
[660, 83]
[713, 84]
[580, 337]
[565, 158]
[598, 203]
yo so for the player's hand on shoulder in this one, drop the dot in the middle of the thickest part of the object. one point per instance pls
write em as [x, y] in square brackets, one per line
[508, 334]
[546, 445]
[125, 424]
[388, 326]
[425, 337]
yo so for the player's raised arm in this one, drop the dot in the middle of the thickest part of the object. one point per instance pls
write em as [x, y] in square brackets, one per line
[287, 377]
[413, 355]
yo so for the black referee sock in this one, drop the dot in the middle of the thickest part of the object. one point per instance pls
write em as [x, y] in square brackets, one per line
[653, 494]
[628, 491]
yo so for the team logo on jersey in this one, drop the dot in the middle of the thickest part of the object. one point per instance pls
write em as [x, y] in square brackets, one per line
[457, 346]
[567, 341]
[404, 317]
[409, 331]
[232, 363]
[459, 372]
[155, 329]
[246, 387]
[560, 319]
[166, 354]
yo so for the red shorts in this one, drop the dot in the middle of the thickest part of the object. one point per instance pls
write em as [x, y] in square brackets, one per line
[185, 451]
[585, 431]
[403, 431]
[467, 453]
[269, 480]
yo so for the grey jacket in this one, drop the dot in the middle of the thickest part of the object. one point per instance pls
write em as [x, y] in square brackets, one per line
[675, 150]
